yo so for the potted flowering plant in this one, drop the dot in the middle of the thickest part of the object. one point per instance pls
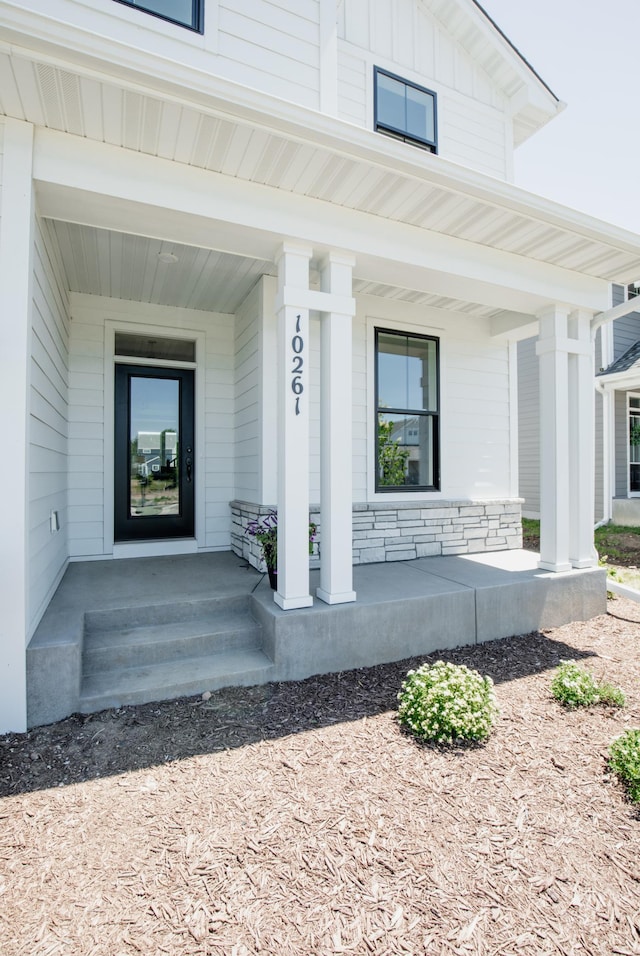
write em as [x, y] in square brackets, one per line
[265, 532]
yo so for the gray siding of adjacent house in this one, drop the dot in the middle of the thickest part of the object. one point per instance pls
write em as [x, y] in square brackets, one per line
[622, 485]
[529, 428]
[626, 332]
[599, 512]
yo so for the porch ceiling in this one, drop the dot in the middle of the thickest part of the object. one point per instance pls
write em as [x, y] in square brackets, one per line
[248, 136]
[122, 266]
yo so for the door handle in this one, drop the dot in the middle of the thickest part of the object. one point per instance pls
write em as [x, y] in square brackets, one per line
[188, 463]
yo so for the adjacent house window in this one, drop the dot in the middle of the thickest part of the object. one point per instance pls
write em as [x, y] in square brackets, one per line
[634, 445]
[407, 412]
[405, 110]
[186, 13]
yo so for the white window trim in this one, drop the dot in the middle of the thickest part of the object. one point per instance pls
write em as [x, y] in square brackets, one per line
[374, 322]
[630, 395]
[151, 548]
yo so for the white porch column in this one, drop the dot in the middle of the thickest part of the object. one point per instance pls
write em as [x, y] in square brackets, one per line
[336, 509]
[581, 441]
[16, 216]
[552, 349]
[293, 427]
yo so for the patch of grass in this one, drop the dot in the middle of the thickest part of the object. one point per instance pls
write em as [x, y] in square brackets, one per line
[575, 686]
[624, 760]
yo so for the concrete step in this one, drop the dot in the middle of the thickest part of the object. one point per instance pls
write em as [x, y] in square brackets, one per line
[157, 643]
[167, 612]
[169, 679]
[158, 652]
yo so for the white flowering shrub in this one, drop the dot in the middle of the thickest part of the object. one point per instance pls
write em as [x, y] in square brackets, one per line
[624, 760]
[575, 686]
[445, 702]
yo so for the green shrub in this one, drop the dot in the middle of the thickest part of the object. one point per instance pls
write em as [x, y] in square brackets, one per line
[575, 686]
[445, 702]
[624, 760]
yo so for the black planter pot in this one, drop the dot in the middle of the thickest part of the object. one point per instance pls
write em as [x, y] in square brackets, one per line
[273, 578]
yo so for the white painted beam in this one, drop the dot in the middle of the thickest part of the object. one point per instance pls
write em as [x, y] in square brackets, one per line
[581, 442]
[293, 433]
[554, 442]
[336, 452]
[106, 186]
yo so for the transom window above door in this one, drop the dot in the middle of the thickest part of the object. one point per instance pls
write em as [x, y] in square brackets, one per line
[186, 13]
[405, 110]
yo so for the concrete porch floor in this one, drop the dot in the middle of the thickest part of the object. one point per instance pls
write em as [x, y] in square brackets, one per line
[403, 609]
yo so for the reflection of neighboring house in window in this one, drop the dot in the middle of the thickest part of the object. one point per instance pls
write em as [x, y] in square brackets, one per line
[407, 434]
[156, 450]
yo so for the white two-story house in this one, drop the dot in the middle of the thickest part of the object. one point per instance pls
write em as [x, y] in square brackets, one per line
[268, 233]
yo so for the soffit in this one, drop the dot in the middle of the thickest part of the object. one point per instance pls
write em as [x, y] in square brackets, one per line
[122, 266]
[362, 171]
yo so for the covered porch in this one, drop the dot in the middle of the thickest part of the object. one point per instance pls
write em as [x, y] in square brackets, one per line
[144, 629]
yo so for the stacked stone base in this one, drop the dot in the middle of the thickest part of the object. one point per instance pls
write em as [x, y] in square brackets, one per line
[403, 531]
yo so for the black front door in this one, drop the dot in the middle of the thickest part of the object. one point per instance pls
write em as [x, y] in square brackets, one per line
[154, 453]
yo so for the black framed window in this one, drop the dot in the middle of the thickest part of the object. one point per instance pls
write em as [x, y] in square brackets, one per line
[407, 412]
[405, 110]
[186, 13]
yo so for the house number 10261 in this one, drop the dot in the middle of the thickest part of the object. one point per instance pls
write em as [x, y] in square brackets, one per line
[297, 365]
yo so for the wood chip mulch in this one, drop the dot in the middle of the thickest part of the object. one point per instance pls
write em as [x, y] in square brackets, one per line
[300, 819]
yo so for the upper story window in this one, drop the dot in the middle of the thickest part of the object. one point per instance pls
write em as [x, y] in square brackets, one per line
[407, 412]
[405, 110]
[186, 13]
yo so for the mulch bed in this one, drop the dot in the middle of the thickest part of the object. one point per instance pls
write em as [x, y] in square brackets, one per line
[300, 819]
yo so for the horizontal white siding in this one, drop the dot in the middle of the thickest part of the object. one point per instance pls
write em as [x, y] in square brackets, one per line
[86, 435]
[529, 427]
[219, 426]
[48, 422]
[403, 37]
[474, 400]
[88, 439]
[248, 380]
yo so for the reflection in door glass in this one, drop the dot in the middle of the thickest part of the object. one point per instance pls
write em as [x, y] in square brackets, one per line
[154, 444]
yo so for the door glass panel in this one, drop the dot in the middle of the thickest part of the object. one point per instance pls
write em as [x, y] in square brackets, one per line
[154, 445]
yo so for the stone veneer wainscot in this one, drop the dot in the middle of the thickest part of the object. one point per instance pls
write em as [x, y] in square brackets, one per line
[405, 530]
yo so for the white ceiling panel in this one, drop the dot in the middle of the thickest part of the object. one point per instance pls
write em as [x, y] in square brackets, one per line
[120, 266]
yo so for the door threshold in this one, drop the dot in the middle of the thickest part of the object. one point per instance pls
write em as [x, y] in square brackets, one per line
[154, 549]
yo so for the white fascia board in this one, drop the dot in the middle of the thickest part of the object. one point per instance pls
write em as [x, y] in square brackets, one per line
[150, 75]
[620, 380]
[617, 312]
[96, 184]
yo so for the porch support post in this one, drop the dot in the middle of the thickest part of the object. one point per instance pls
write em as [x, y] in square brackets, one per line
[552, 349]
[581, 441]
[293, 427]
[336, 506]
[16, 217]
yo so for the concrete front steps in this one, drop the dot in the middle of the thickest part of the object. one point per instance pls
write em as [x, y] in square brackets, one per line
[136, 655]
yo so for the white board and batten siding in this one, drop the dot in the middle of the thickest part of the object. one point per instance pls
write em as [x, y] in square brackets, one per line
[267, 45]
[403, 37]
[50, 432]
[90, 392]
